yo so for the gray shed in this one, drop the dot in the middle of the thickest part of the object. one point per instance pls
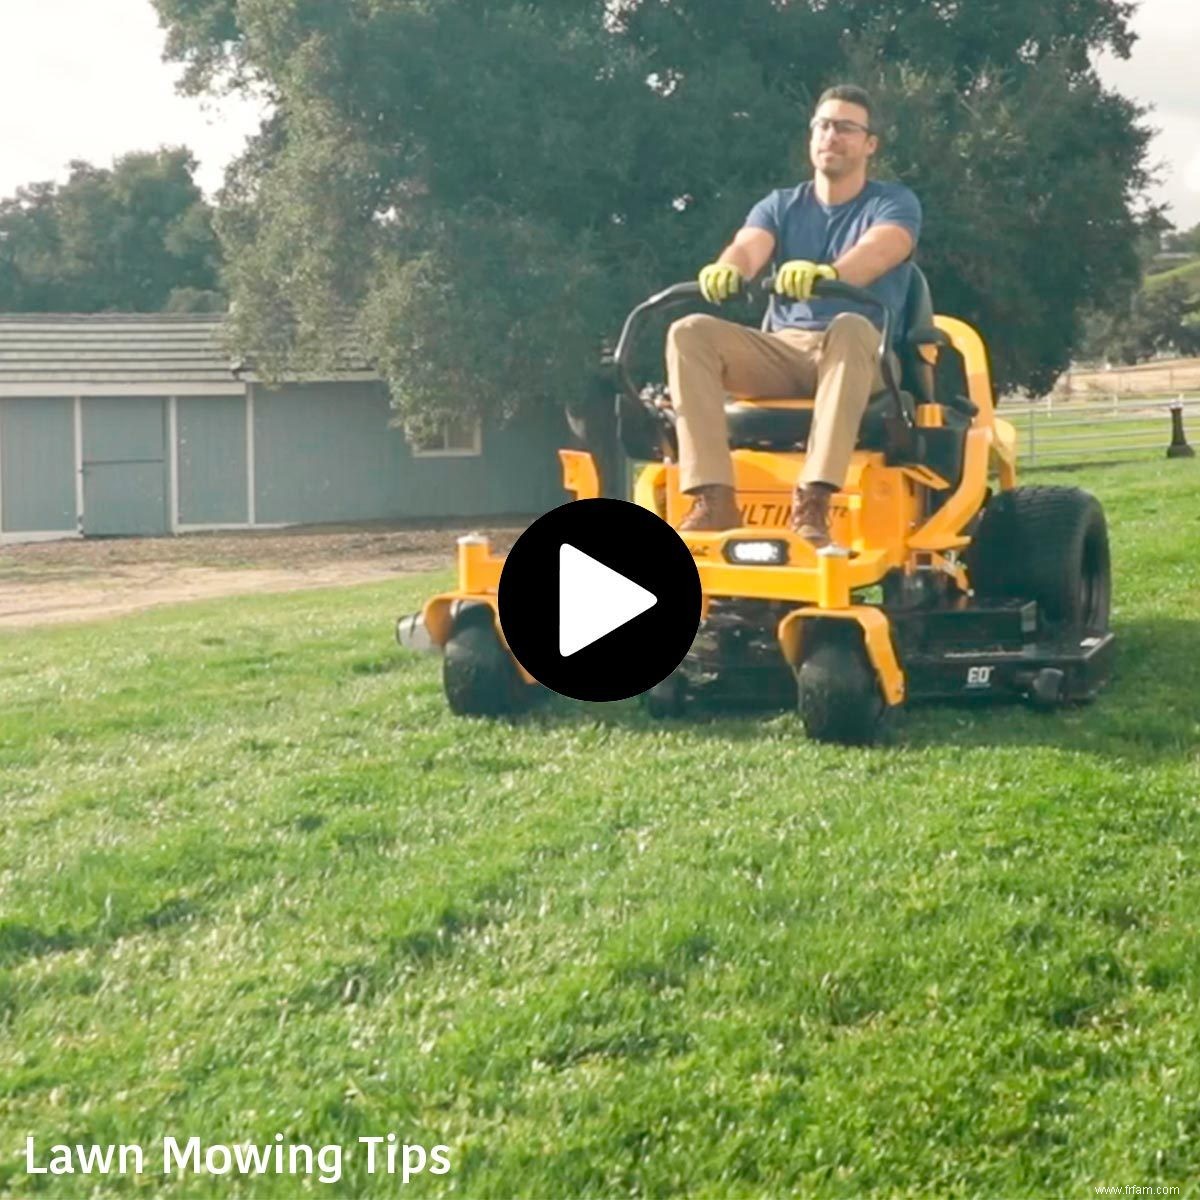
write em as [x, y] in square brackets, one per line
[116, 424]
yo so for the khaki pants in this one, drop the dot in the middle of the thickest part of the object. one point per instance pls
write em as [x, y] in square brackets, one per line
[708, 358]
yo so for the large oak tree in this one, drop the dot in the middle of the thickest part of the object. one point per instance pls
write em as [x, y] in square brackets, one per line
[484, 187]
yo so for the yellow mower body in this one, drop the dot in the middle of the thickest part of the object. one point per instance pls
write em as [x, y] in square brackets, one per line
[879, 516]
[944, 579]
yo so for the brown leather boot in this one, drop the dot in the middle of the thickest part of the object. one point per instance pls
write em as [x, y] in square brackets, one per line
[810, 514]
[714, 507]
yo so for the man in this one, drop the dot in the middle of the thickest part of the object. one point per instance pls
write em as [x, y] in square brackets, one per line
[838, 226]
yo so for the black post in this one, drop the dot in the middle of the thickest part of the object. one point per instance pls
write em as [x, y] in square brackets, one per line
[1179, 447]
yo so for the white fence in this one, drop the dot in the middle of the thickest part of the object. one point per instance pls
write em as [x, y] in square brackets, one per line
[1101, 428]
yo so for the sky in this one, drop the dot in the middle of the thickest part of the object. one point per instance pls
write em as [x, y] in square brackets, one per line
[85, 79]
[1162, 71]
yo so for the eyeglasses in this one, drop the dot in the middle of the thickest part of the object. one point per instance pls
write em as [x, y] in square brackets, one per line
[840, 127]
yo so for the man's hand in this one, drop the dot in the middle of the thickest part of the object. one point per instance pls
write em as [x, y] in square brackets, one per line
[718, 281]
[795, 279]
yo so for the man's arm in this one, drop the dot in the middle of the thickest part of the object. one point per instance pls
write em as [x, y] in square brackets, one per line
[749, 251]
[880, 249]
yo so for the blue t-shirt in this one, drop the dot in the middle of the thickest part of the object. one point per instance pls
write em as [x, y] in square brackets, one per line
[806, 228]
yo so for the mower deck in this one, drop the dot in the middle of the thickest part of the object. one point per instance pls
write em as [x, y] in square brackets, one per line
[991, 651]
[1052, 671]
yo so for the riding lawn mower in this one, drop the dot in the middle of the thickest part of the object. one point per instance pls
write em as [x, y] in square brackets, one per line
[944, 579]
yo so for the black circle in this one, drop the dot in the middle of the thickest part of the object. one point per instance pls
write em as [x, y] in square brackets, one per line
[625, 538]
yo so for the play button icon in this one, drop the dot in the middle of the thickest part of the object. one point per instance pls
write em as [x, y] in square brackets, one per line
[593, 600]
[599, 599]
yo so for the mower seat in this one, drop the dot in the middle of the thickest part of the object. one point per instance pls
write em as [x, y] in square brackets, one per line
[762, 427]
[757, 427]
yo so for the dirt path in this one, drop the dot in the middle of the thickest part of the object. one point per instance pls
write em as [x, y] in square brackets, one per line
[49, 583]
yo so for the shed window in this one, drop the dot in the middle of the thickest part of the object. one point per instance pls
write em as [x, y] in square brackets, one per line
[457, 437]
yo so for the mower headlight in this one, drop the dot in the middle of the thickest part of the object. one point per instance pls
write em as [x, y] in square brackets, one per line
[757, 552]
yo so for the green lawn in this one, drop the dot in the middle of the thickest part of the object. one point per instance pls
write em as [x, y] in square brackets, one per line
[256, 880]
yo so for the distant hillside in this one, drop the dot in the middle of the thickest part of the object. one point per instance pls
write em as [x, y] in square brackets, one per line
[1159, 377]
[1189, 272]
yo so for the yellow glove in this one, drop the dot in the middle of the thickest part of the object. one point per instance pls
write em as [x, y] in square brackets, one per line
[796, 278]
[719, 281]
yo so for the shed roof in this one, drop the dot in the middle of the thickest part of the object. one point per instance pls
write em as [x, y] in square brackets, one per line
[56, 354]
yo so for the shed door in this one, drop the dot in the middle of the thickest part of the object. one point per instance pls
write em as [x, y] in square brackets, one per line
[124, 465]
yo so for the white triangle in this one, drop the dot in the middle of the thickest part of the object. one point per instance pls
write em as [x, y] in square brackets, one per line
[593, 600]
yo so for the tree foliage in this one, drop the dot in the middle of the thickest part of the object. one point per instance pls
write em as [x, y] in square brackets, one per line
[1183, 241]
[134, 238]
[1160, 320]
[487, 186]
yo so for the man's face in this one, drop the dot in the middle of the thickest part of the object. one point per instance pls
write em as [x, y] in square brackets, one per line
[839, 144]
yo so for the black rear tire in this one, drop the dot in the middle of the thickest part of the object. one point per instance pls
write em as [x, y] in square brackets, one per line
[479, 676]
[839, 695]
[1048, 544]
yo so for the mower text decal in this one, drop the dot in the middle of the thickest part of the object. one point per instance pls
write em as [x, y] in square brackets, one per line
[776, 516]
[979, 677]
